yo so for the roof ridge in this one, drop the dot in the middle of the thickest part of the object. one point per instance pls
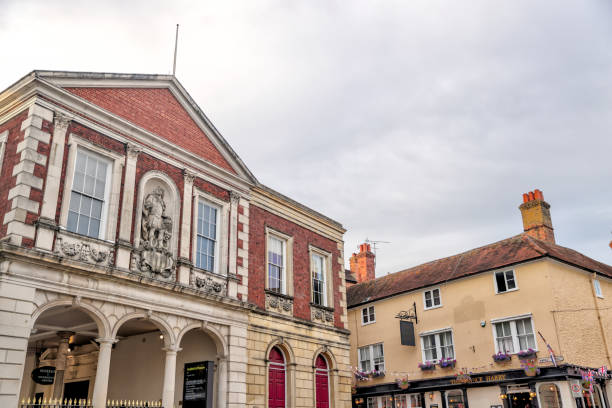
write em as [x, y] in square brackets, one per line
[532, 242]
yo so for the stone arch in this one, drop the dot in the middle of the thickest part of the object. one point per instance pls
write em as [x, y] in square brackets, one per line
[104, 327]
[326, 353]
[161, 324]
[285, 347]
[212, 331]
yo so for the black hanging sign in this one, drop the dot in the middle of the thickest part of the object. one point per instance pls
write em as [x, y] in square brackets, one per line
[197, 384]
[44, 375]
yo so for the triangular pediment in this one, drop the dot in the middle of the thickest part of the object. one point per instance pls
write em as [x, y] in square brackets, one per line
[159, 105]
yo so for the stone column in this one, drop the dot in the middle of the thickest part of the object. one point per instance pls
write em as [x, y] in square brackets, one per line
[46, 222]
[169, 377]
[102, 371]
[222, 382]
[60, 363]
[127, 208]
[186, 223]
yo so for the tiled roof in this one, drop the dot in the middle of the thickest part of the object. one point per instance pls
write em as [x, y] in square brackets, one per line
[517, 249]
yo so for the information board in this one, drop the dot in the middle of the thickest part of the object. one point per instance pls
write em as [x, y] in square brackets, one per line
[198, 384]
[44, 375]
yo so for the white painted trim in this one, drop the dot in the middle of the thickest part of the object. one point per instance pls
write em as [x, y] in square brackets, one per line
[515, 317]
[288, 260]
[3, 139]
[221, 249]
[436, 333]
[513, 331]
[432, 298]
[328, 295]
[516, 286]
[108, 226]
[369, 321]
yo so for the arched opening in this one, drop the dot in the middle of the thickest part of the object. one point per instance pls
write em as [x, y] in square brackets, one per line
[454, 399]
[199, 353]
[62, 354]
[322, 387]
[549, 396]
[277, 370]
[138, 360]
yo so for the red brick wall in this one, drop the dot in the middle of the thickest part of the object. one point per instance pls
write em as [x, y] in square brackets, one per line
[259, 219]
[157, 111]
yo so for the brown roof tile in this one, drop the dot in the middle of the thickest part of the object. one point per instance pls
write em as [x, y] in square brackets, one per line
[519, 248]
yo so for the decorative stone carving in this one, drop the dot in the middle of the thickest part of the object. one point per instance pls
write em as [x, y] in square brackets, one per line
[279, 304]
[234, 197]
[133, 151]
[83, 251]
[154, 254]
[189, 176]
[210, 286]
[61, 120]
[322, 315]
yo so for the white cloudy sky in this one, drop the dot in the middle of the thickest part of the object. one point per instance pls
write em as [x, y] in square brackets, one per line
[415, 122]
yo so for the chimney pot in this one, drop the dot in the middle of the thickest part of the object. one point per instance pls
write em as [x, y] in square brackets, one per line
[531, 197]
[525, 197]
[362, 264]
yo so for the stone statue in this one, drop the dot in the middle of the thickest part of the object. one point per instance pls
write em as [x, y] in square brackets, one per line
[156, 232]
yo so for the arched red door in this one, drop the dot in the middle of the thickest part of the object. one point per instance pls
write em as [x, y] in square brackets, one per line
[321, 383]
[276, 379]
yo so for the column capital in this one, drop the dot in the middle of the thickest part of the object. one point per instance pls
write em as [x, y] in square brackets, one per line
[61, 121]
[171, 350]
[106, 340]
[189, 176]
[234, 197]
[132, 150]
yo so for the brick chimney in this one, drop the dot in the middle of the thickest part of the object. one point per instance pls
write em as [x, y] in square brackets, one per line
[536, 216]
[362, 264]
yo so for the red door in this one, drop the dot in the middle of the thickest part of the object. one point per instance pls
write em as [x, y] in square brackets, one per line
[276, 379]
[322, 383]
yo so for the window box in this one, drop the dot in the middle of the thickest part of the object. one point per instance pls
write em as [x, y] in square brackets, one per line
[501, 357]
[526, 353]
[447, 362]
[402, 383]
[427, 365]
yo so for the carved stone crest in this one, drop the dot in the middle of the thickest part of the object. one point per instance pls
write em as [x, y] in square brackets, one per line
[322, 315]
[279, 304]
[154, 254]
[83, 251]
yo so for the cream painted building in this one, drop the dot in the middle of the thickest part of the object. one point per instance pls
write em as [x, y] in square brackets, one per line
[140, 260]
[469, 330]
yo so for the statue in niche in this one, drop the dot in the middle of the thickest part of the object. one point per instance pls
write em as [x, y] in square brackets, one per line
[155, 234]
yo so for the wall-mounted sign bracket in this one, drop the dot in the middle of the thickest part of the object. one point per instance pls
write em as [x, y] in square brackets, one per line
[408, 314]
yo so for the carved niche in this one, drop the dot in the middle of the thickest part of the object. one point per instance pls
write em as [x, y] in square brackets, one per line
[156, 238]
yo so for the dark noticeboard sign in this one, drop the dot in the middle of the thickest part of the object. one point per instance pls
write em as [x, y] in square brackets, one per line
[407, 333]
[44, 375]
[198, 384]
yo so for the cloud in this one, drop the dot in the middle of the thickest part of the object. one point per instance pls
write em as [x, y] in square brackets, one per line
[419, 123]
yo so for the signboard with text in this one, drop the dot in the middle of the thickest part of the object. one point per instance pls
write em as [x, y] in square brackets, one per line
[198, 384]
[44, 375]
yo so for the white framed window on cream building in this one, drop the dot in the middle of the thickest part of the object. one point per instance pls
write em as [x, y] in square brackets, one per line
[505, 281]
[210, 220]
[372, 357]
[432, 298]
[368, 315]
[597, 287]
[91, 192]
[514, 334]
[437, 345]
[279, 249]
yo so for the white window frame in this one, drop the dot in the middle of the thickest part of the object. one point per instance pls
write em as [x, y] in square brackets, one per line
[287, 286]
[110, 209]
[513, 331]
[597, 287]
[438, 343]
[447, 396]
[379, 402]
[3, 139]
[407, 398]
[221, 249]
[328, 295]
[371, 356]
[363, 322]
[433, 306]
[516, 287]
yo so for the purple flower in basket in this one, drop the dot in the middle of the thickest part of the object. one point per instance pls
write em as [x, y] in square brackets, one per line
[501, 356]
[377, 373]
[447, 362]
[427, 365]
[526, 353]
[361, 375]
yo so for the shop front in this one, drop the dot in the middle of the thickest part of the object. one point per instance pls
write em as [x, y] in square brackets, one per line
[550, 387]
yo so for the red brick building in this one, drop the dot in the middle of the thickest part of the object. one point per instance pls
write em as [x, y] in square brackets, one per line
[136, 244]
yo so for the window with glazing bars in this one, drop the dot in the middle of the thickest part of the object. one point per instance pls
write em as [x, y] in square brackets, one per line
[85, 215]
[206, 236]
[276, 264]
[318, 280]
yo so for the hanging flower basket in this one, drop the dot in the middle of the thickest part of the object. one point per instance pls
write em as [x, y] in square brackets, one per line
[501, 357]
[447, 362]
[361, 375]
[526, 353]
[428, 365]
[402, 383]
[376, 373]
